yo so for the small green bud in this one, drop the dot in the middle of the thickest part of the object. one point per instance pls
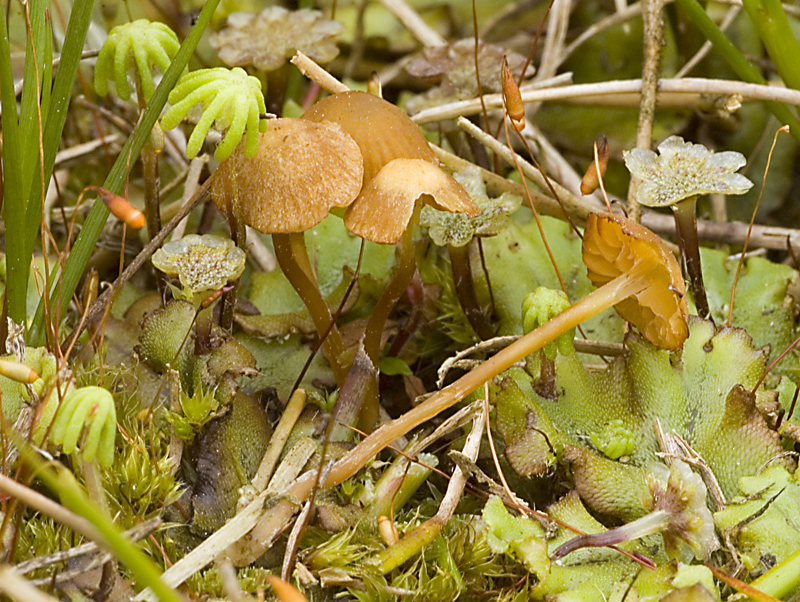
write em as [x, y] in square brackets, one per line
[230, 98]
[134, 46]
[88, 410]
[540, 307]
[616, 441]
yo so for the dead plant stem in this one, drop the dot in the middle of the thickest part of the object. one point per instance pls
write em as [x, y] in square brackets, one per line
[414, 23]
[46, 506]
[671, 92]
[652, 39]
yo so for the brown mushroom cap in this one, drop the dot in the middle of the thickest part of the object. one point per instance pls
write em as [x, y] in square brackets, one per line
[612, 245]
[382, 211]
[382, 131]
[302, 169]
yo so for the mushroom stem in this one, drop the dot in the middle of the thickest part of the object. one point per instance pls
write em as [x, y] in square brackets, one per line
[465, 290]
[686, 230]
[277, 82]
[292, 256]
[406, 266]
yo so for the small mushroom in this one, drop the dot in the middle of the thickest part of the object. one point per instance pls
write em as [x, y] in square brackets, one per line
[395, 191]
[387, 210]
[676, 178]
[401, 173]
[613, 247]
[399, 169]
[381, 130]
[300, 171]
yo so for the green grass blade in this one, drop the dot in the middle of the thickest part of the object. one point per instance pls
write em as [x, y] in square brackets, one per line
[30, 117]
[47, 69]
[84, 245]
[35, 99]
[737, 62]
[7, 98]
[773, 28]
[14, 200]
[79, 21]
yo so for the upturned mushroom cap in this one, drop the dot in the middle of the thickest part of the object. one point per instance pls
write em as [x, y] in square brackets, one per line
[302, 169]
[612, 245]
[382, 211]
[382, 131]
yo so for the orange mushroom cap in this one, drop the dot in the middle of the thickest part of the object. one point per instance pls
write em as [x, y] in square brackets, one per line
[382, 131]
[383, 209]
[301, 170]
[612, 245]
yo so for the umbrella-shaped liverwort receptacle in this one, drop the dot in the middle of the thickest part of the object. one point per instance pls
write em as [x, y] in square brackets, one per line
[132, 49]
[266, 40]
[676, 178]
[230, 98]
[202, 264]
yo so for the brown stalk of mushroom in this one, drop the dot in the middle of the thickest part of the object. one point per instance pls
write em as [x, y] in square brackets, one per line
[302, 169]
[640, 278]
[401, 173]
[465, 290]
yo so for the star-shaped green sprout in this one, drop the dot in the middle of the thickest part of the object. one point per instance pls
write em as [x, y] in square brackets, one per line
[88, 410]
[134, 48]
[230, 98]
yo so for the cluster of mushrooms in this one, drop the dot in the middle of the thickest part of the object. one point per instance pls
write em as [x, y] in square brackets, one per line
[355, 150]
